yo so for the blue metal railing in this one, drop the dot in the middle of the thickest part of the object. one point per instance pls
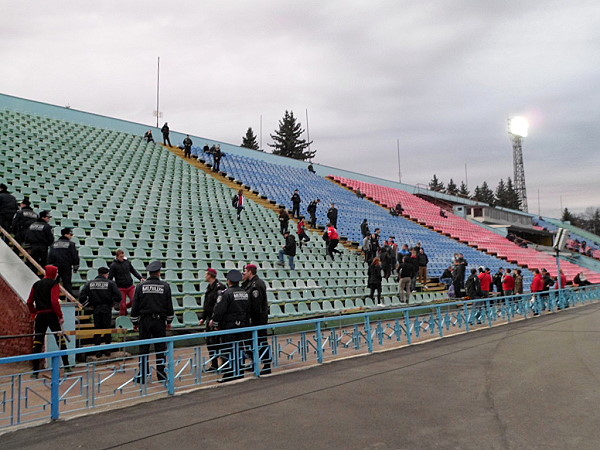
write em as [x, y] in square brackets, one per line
[312, 341]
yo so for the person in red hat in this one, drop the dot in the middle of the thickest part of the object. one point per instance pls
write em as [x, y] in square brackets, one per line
[44, 306]
[214, 288]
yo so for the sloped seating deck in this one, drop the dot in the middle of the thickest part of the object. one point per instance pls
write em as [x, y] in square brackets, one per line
[459, 228]
[278, 182]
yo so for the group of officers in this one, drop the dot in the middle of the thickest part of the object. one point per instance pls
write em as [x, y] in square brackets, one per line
[241, 303]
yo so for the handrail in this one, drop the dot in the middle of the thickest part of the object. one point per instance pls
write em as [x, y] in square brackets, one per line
[39, 268]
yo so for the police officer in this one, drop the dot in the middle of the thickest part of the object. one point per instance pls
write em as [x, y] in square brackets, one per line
[63, 254]
[152, 314]
[214, 288]
[332, 215]
[187, 147]
[8, 208]
[101, 294]
[296, 200]
[259, 312]
[22, 219]
[165, 132]
[312, 210]
[39, 236]
[232, 311]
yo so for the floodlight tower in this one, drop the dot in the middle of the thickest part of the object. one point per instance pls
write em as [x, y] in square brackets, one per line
[517, 128]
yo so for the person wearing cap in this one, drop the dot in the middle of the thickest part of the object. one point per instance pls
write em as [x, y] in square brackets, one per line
[289, 250]
[296, 200]
[101, 294]
[312, 210]
[165, 132]
[121, 270]
[39, 236]
[44, 306]
[8, 208]
[63, 254]
[187, 146]
[214, 288]
[231, 312]
[152, 313]
[332, 215]
[22, 220]
[259, 312]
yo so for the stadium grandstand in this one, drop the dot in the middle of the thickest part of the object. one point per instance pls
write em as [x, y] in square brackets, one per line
[99, 176]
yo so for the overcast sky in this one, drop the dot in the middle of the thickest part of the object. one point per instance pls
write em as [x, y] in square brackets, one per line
[443, 77]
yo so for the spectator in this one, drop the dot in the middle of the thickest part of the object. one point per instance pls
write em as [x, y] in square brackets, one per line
[187, 146]
[148, 136]
[359, 194]
[446, 277]
[284, 219]
[404, 251]
[165, 132]
[485, 281]
[39, 237]
[239, 202]
[406, 272]
[518, 282]
[394, 252]
[152, 313]
[374, 279]
[537, 285]
[22, 220]
[8, 208]
[44, 306]
[102, 295]
[232, 311]
[121, 270]
[296, 200]
[399, 210]
[332, 215]
[210, 300]
[508, 284]
[217, 155]
[311, 169]
[548, 281]
[562, 280]
[443, 214]
[374, 244]
[366, 248]
[259, 312]
[312, 210]
[63, 254]
[393, 212]
[473, 285]
[498, 280]
[364, 228]
[458, 277]
[387, 259]
[302, 236]
[289, 250]
[414, 260]
[423, 261]
[334, 239]
[581, 280]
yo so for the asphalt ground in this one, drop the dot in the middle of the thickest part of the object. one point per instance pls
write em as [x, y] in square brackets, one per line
[527, 385]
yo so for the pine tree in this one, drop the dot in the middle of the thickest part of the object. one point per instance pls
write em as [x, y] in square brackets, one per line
[249, 141]
[451, 188]
[567, 216]
[463, 191]
[287, 140]
[501, 194]
[436, 185]
[512, 196]
[487, 195]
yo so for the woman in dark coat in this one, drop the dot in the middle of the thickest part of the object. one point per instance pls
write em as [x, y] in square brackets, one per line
[374, 281]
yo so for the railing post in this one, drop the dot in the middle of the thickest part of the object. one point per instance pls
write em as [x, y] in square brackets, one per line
[55, 389]
[171, 368]
[467, 318]
[368, 333]
[319, 343]
[439, 320]
[255, 353]
[407, 325]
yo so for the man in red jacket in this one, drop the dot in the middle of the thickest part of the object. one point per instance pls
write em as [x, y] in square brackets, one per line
[508, 283]
[44, 306]
[485, 281]
[537, 286]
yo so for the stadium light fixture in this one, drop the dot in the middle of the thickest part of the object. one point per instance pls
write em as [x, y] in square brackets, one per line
[519, 126]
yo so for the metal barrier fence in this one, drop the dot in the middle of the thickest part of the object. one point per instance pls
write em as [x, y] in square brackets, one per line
[93, 384]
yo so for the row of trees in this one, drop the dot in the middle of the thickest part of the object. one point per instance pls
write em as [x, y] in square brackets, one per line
[286, 140]
[589, 220]
[505, 194]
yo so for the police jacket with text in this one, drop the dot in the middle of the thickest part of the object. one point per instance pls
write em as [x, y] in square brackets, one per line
[23, 218]
[259, 305]
[232, 309]
[8, 204]
[40, 234]
[152, 297]
[101, 293]
[210, 299]
[63, 253]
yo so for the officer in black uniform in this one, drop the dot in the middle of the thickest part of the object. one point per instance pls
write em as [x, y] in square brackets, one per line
[23, 218]
[63, 254]
[187, 147]
[232, 311]
[165, 132]
[102, 294]
[214, 288]
[152, 313]
[296, 200]
[39, 236]
[312, 210]
[8, 208]
[259, 313]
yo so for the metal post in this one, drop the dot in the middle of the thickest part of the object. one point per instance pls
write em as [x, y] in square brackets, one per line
[255, 353]
[319, 343]
[171, 367]
[157, 90]
[55, 389]
[407, 325]
[399, 171]
[368, 333]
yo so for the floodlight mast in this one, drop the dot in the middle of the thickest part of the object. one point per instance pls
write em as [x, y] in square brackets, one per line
[517, 127]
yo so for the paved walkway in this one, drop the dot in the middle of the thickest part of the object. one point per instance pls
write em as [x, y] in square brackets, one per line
[531, 384]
